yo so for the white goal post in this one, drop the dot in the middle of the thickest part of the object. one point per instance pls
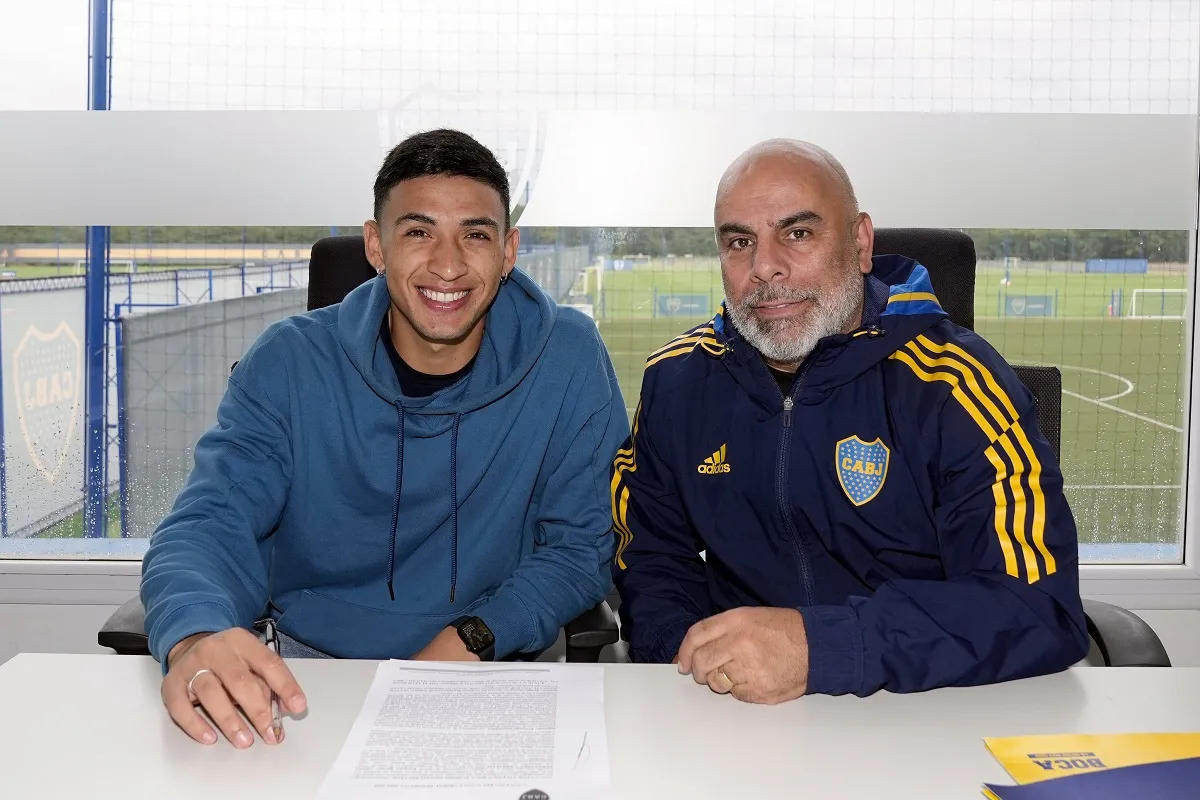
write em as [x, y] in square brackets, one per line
[588, 282]
[1158, 304]
[586, 291]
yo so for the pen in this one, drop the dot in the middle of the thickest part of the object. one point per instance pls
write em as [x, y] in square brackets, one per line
[272, 641]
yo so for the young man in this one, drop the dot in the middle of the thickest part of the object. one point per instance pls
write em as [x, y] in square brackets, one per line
[874, 502]
[418, 472]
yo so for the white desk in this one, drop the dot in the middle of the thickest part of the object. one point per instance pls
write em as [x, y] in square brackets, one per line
[93, 726]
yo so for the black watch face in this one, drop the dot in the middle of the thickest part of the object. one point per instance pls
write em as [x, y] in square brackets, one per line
[477, 636]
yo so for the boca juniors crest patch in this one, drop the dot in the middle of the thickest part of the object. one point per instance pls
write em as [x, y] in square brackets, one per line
[861, 468]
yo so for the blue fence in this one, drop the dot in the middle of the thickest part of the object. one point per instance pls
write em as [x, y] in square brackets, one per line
[681, 305]
[1027, 305]
[1030, 305]
[1124, 266]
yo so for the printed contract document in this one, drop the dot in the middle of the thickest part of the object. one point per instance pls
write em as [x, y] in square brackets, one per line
[512, 731]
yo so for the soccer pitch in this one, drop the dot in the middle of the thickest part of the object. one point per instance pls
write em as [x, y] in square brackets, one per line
[1123, 379]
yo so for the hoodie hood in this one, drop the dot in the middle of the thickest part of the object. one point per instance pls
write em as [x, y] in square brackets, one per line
[898, 304]
[516, 330]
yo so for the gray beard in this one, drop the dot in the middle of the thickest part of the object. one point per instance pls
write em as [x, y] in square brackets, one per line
[789, 341]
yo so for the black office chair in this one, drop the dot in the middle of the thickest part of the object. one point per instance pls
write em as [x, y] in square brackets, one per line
[336, 266]
[1123, 638]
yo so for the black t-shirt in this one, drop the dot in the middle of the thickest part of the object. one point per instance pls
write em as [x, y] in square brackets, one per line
[784, 379]
[413, 383]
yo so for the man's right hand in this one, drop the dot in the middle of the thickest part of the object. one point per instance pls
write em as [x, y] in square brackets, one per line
[241, 671]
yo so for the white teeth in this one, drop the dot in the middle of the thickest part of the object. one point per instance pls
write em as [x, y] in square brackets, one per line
[443, 297]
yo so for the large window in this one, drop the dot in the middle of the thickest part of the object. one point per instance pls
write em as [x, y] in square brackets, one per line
[1061, 136]
[1108, 308]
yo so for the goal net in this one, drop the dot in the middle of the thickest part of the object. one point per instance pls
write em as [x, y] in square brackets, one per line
[1158, 304]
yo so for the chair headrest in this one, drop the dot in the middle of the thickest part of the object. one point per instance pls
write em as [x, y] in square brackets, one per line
[949, 256]
[337, 265]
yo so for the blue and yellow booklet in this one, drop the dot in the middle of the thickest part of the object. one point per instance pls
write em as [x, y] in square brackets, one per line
[1161, 780]
[1063, 767]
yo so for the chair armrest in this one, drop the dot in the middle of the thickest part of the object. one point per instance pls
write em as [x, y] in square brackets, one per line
[125, 630]
[595, 627]
[1124, 638]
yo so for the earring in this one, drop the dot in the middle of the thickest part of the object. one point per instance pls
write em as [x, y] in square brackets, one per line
[503, 278]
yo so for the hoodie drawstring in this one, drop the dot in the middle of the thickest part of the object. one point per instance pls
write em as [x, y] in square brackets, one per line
[454, 505]
[396, 502]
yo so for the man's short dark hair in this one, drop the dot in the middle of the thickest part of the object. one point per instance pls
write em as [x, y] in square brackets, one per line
[440, 152]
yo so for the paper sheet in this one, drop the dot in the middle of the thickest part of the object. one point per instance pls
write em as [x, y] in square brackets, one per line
[506, 731]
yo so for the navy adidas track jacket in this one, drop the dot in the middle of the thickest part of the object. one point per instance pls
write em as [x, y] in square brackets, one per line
[902, 498]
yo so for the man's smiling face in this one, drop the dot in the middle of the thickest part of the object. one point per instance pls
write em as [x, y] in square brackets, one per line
[444, 243]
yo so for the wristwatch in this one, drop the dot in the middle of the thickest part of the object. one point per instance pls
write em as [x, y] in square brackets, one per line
[477, 636]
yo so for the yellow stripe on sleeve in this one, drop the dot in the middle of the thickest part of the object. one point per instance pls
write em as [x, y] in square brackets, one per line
[622, 534]
[1032, 572]
[954, 378]
[1023, 519]
[988, 378]
[1010, 556]
[1039, 500]
[624, 508]
[626, 461]
[691, 336]
[680, 350]
[955, 388]
[1034, 477]
[972, 383]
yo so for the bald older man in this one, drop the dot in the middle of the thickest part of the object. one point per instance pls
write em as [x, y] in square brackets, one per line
[830, 487]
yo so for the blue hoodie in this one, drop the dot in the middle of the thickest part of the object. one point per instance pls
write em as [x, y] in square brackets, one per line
[365, 521]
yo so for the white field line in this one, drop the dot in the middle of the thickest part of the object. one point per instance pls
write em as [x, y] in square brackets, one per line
[1122, 486]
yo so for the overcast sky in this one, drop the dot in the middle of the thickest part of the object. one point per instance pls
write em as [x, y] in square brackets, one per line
[1106, 56]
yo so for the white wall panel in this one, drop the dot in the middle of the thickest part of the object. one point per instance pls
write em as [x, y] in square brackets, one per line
[602, 168]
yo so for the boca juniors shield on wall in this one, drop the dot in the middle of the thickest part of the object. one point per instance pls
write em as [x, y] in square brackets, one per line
[47, 379]
[515, 136]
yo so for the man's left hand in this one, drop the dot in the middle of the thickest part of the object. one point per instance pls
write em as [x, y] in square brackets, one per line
[759, 655]
[446, 646]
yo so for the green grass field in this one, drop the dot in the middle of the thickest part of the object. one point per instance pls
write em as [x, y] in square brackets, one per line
[72, 526]
[1123, 379]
